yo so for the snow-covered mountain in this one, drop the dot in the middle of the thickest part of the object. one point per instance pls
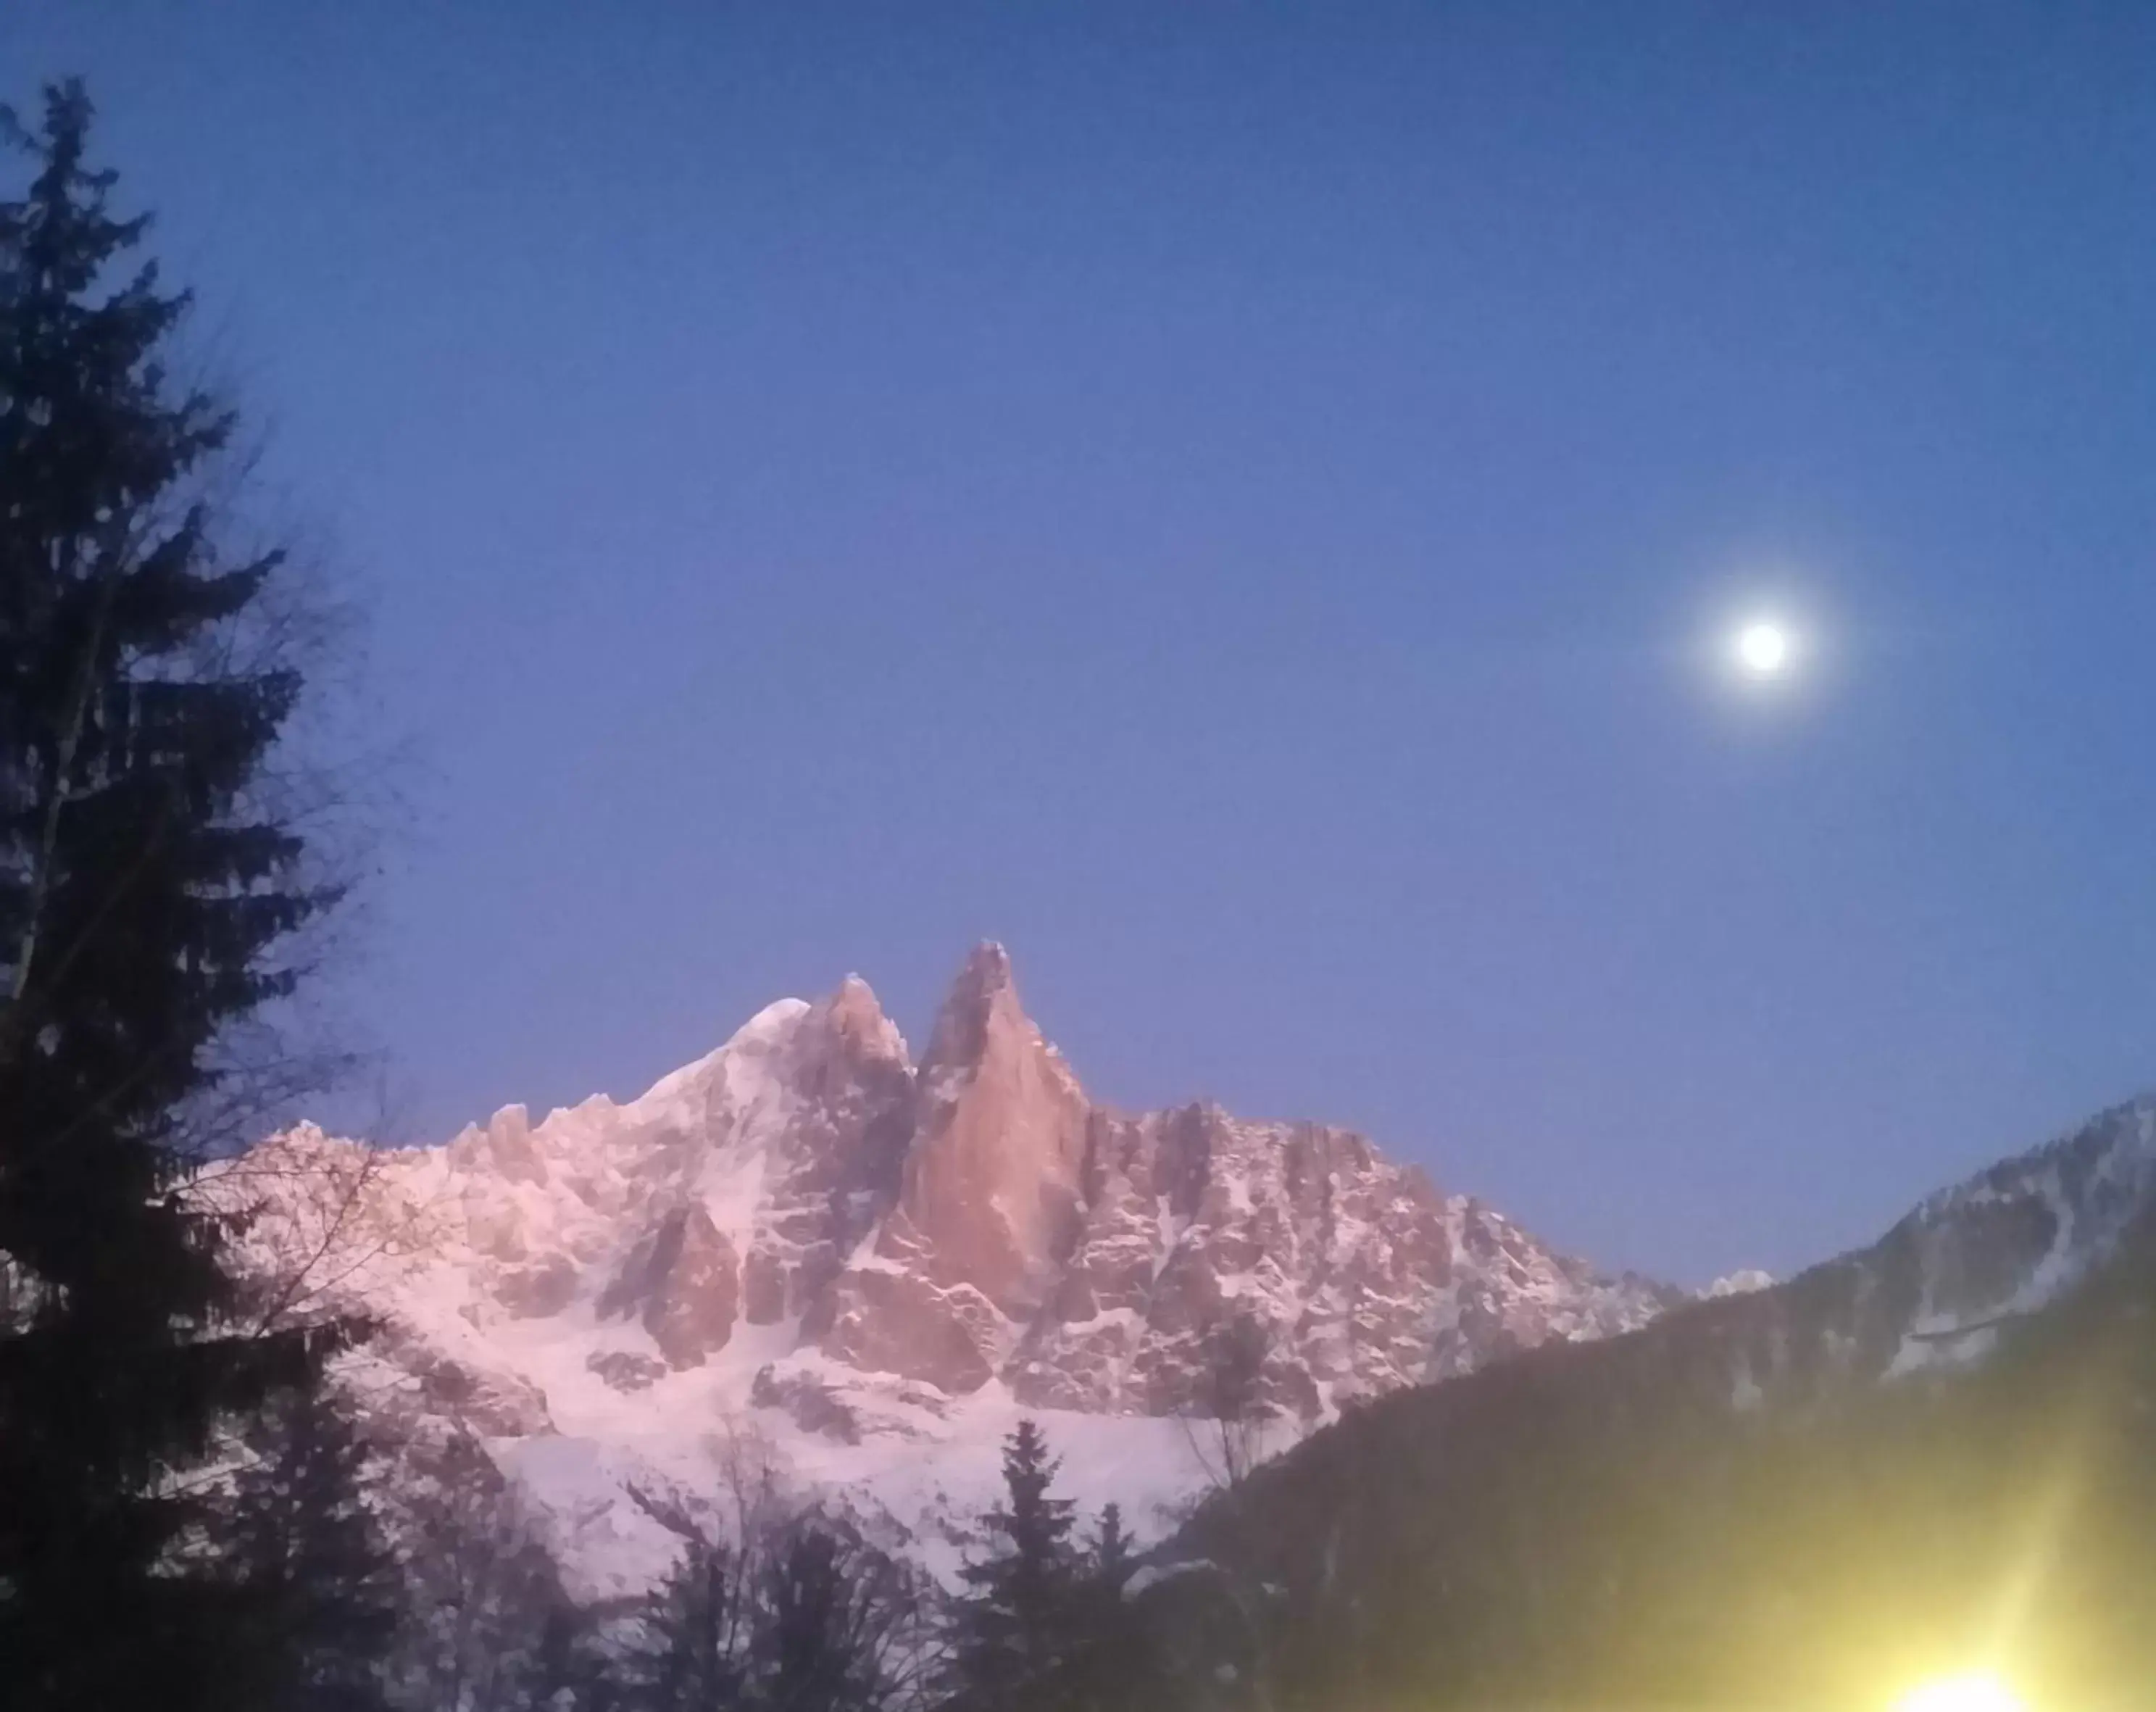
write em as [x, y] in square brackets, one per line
[1937, 1288]
[1777, 1494]
[873, 1269]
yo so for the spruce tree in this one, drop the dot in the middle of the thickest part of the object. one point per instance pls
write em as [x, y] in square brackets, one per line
[302, 1542]
[487, 1620]
[146, 895]
[1014, 1630]
[1113, 1664]
[836, 1626]
[1113, 1559]
[574, 1667]
[697, 1633]
[807, 1660]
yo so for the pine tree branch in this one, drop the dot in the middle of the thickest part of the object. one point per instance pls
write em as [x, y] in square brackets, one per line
[113, 573]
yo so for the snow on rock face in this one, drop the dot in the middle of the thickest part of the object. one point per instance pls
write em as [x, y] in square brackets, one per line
[1936, 1288]
[1091, 1259]
[1362, 1277]
[802, 1235]
[2015, 1237]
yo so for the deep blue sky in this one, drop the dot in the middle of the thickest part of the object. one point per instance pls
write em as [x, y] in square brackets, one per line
[1232, 500]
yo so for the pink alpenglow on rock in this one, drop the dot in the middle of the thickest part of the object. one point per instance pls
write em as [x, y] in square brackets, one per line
[877, 1266]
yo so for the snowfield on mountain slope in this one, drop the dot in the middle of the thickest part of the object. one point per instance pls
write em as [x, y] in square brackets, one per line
[805, 1240]
[923, 1500]
[803, 1250]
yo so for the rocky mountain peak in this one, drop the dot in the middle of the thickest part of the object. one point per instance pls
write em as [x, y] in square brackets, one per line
[982, 1011]
[852, 1017]
[989, 1199]
[802, 1228]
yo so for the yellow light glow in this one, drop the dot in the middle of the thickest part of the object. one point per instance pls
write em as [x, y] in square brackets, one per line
[1979, 1691]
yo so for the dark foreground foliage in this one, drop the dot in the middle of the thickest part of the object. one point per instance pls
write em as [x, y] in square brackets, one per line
[1610, 1525]
[150, 890]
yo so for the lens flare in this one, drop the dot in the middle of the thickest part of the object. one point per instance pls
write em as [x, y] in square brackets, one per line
[1979, 1691]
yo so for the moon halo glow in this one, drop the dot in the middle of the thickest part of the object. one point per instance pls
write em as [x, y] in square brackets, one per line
[1763, 648]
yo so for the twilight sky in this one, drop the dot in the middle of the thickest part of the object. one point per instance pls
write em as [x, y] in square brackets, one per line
[1237, 502]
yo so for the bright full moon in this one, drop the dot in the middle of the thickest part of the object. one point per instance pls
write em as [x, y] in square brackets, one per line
[1762, 648]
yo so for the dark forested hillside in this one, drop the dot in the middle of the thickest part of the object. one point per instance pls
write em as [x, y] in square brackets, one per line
[1629, 1523]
